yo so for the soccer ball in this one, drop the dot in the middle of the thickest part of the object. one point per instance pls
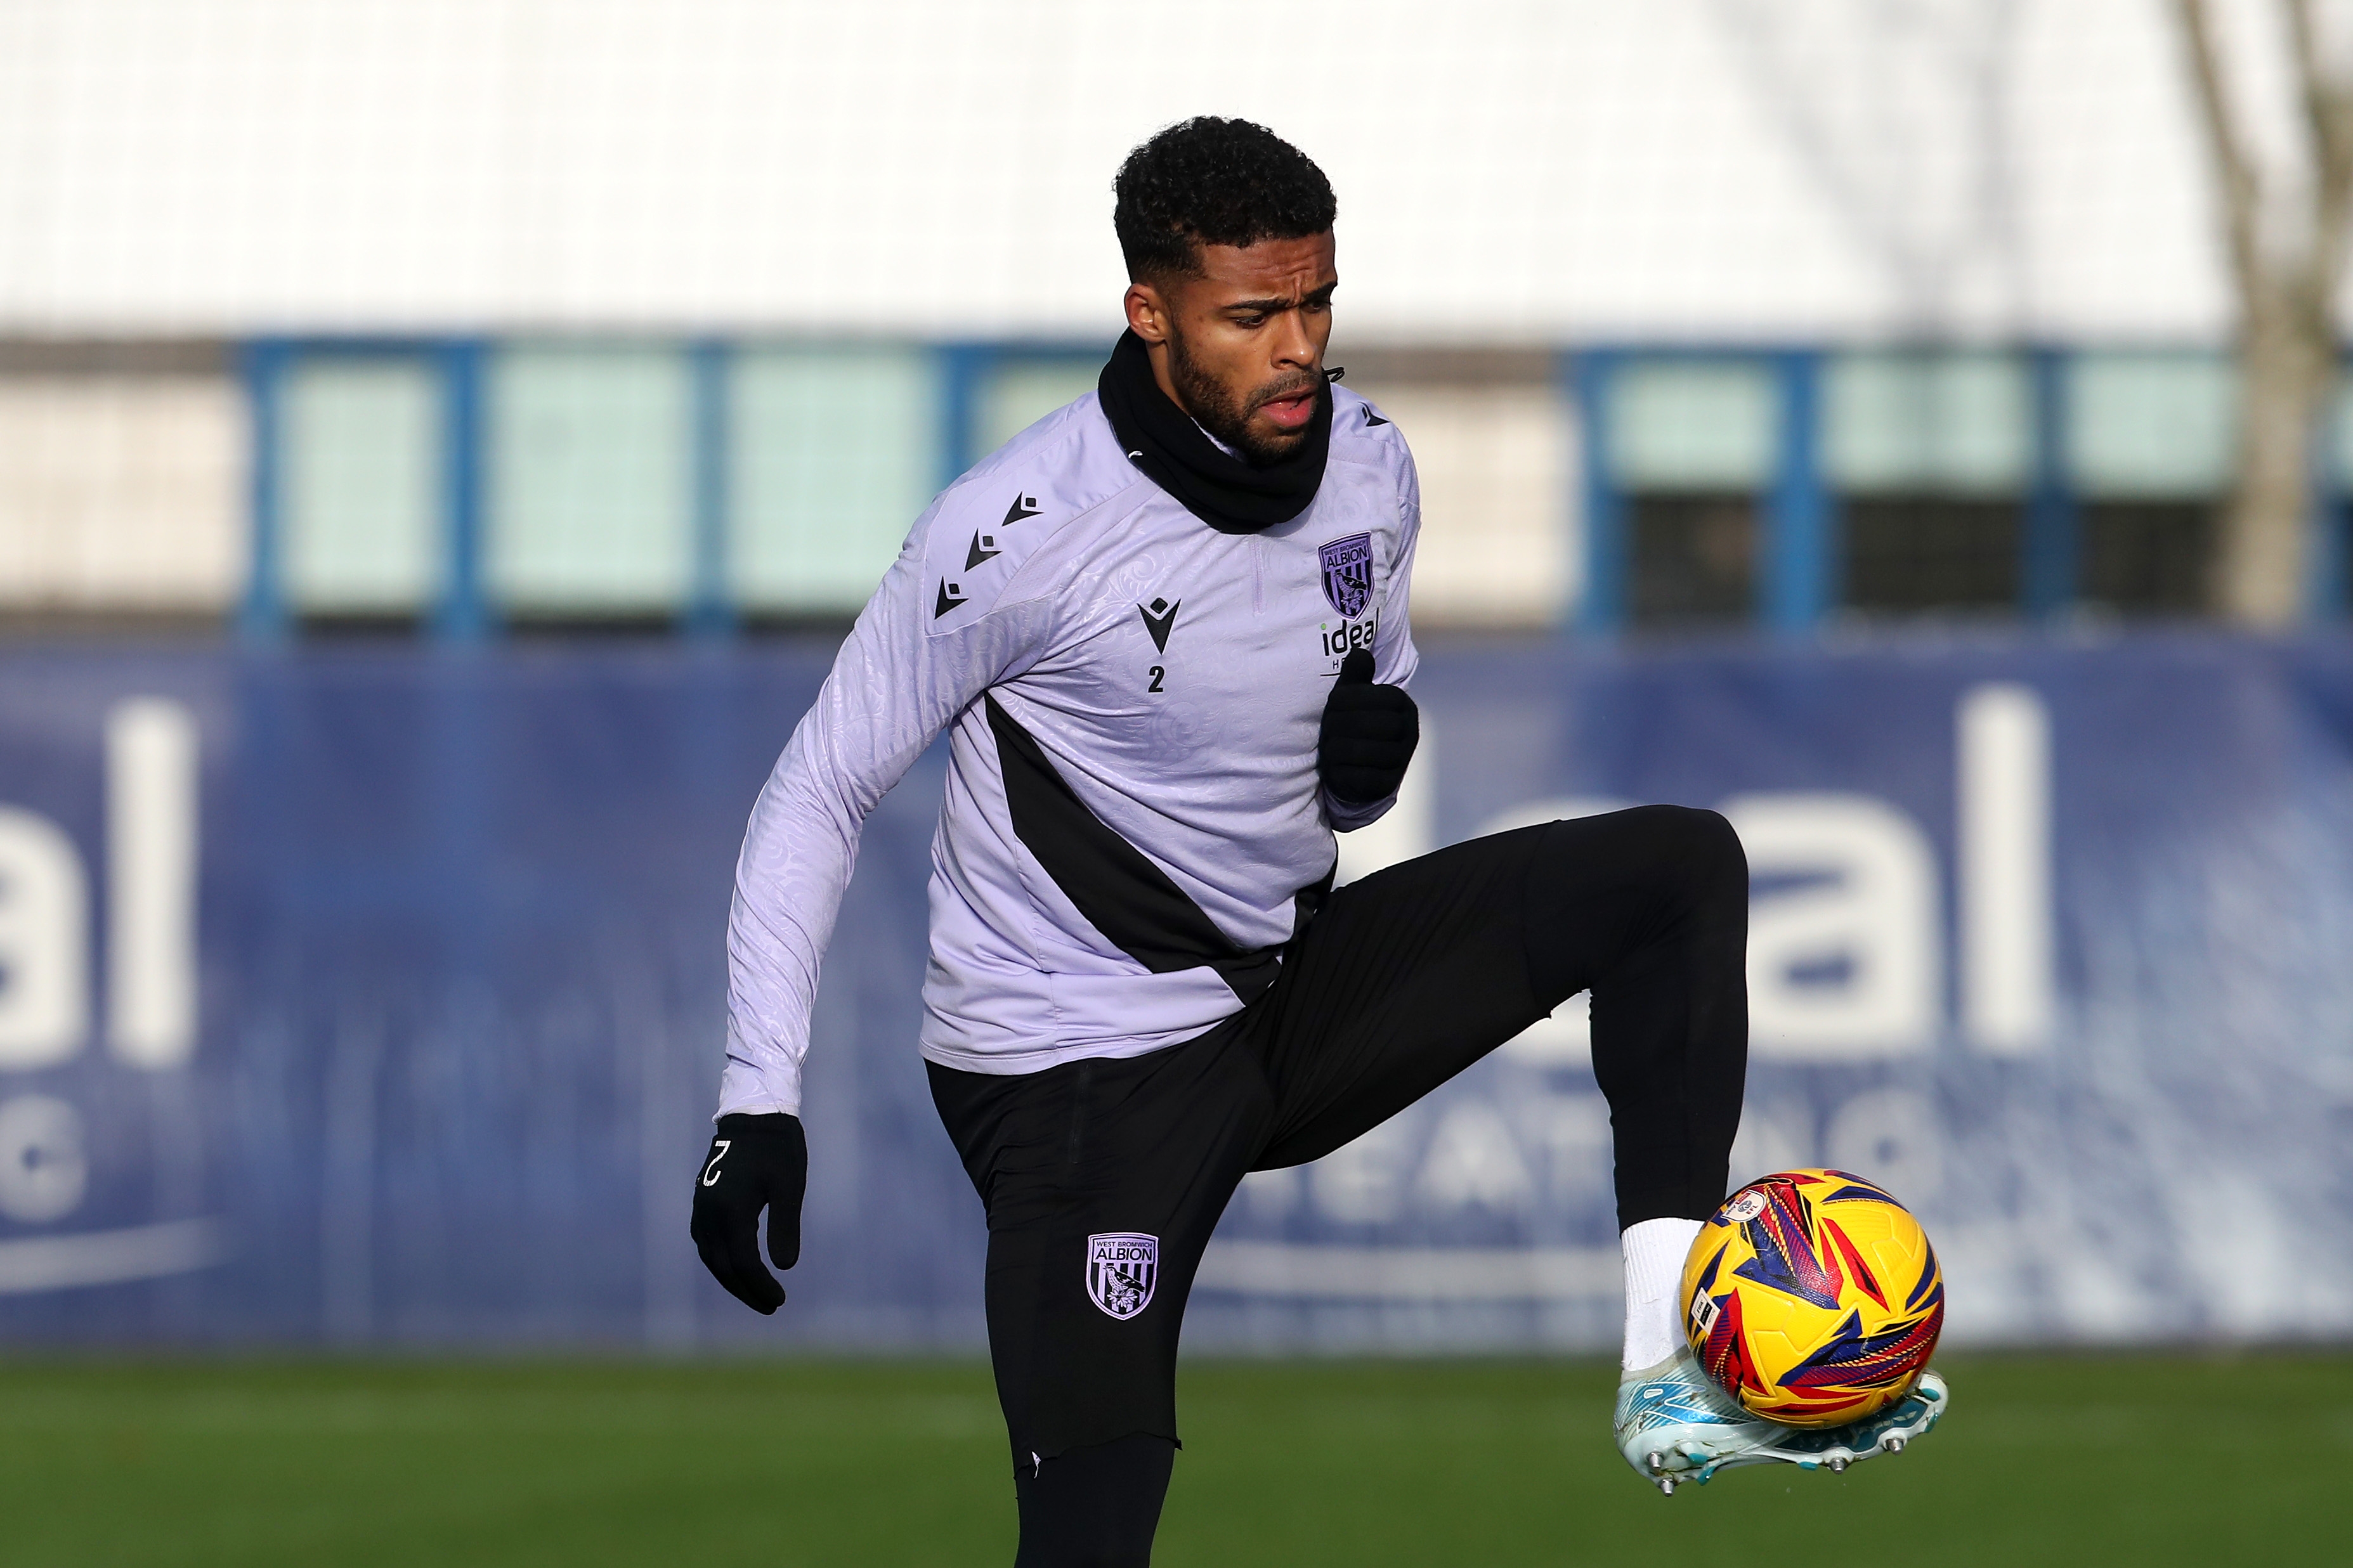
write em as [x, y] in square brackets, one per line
[1813, 1298]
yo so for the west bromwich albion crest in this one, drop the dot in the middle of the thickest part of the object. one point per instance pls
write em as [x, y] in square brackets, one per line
[1348, 573]
[1123, 1265]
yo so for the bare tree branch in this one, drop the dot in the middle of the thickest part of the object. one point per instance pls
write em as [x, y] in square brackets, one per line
[2329, 112]
[1965, 43]
[2241, 188]
[2286, 338]
[2304, 38]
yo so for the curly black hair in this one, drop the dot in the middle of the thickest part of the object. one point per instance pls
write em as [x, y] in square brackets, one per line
[1207, 181]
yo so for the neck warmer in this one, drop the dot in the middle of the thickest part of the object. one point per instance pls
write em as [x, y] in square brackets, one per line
[1229, 494]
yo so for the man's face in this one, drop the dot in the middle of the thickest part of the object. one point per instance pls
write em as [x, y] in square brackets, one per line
[1239, 346]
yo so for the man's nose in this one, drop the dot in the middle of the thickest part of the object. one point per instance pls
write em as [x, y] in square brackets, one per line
[1292, 346]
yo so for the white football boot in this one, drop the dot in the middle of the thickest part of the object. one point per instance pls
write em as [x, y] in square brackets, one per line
[1675, 1425]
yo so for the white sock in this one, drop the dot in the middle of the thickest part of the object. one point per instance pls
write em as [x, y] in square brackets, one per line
[1655, 1250]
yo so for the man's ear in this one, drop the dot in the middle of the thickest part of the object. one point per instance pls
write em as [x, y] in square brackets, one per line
[1147, 312]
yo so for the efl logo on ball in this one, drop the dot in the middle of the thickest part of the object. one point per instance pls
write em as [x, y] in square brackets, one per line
[1123, 1265]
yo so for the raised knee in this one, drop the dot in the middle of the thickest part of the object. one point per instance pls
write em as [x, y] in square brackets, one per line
[1699, 850]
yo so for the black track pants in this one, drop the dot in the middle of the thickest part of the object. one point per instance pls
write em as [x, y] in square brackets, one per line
[1096, 1507]
[1103, 1179]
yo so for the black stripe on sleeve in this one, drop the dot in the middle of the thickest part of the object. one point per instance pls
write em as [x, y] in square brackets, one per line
[1112, 883]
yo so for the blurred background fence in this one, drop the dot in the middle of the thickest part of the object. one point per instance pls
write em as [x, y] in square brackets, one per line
[441, 442]
[456, 487]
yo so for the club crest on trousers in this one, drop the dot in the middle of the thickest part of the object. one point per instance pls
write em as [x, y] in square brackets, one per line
[1348, 573]
[1123, 1265]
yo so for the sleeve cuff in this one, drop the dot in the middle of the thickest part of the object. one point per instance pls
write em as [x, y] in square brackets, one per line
[743, 1091]
[1345, 817]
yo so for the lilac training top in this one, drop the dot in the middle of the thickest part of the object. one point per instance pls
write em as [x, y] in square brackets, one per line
[1133, 825]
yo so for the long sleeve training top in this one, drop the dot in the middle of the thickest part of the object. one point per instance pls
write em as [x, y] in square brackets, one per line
[1132, 827]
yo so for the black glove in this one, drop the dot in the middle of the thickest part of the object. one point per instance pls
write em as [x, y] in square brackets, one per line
[755, 1162]
[1369, 734]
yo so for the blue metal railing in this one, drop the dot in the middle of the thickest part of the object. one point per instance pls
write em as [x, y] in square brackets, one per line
[1603, 605]
[1800, 583]
[462, 612]
[262, 618]
[1797, 582]
[2050, 546]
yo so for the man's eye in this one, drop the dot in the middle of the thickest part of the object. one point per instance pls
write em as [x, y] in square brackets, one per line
[1249, 322]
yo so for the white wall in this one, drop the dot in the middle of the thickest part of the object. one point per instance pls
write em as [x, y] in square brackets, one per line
[1508, 169]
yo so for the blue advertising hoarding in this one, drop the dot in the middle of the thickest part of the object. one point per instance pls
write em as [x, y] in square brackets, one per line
[372, 996]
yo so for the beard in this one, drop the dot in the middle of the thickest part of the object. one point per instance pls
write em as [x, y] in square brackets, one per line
[1226, 414]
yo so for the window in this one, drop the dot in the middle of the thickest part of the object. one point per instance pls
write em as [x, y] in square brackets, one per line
[835, 455]
[363, 486]
[591, 477]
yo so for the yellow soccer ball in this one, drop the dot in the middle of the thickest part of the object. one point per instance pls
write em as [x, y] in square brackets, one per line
[1813, 1298]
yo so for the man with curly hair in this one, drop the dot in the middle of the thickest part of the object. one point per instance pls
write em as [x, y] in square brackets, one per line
[1165, 628]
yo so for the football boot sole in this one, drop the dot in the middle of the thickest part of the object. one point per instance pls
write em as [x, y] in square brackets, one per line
[1674, 1426]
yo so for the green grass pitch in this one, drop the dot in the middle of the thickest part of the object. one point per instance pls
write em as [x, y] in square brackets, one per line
[2046, 1459]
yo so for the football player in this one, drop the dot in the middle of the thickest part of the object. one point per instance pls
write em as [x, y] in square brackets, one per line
[1165, 629]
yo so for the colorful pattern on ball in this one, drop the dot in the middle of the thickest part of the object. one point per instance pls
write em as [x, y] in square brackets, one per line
[1813, 1298]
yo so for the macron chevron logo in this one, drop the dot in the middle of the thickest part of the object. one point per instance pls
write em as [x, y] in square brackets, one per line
[1159, 620]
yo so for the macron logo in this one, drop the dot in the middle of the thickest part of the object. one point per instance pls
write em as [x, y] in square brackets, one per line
[1159, 620]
